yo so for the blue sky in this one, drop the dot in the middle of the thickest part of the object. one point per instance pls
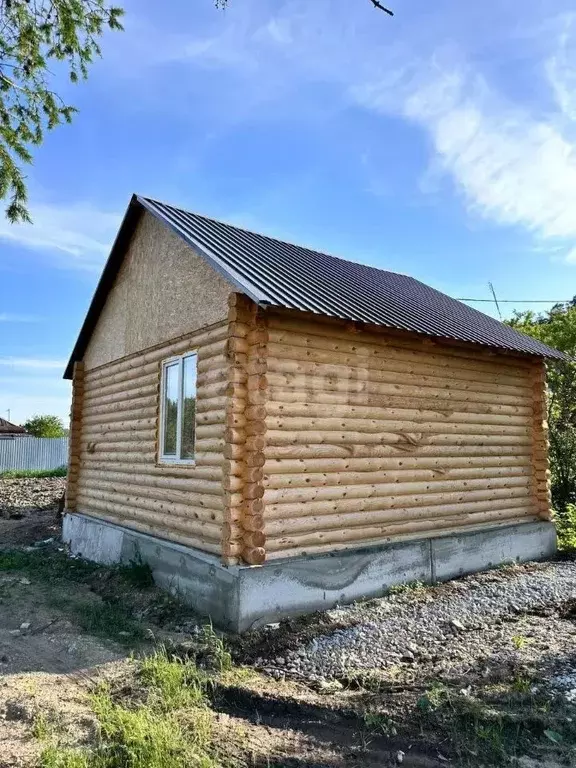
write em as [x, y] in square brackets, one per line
[440, 143]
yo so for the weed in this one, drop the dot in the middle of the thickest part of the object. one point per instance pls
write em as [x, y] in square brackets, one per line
[214, 650]
[138, 573]
[521, 684]
[48, 565]
[41, 728]
[56, 757]
[174, 682]
[172, 728]
[11, 474]
[434, 698]
[410, 587]
[519, 642]
[497, 724]
[381, 723]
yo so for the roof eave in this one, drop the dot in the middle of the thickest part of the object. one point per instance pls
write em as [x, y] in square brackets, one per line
[113, 263]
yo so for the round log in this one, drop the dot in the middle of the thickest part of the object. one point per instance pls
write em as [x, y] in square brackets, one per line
[334, 479]
[386, 375]
[254, 539]
[400, 362]
[355, 385]
[285, 526]
[160, 532]
[386, 532]
[165, 522]
[311, 465]
[380, 490]
[254, 556]
[314, 411]
[363, 399]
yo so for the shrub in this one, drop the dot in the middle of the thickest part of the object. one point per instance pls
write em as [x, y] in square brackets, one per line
[566, 527]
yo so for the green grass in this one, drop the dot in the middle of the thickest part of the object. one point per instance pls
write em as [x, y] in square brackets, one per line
[497, 724]
[138, 573]
[114, 598]
[11, 474]
[104, 619]
[164, 723]
[411, 587]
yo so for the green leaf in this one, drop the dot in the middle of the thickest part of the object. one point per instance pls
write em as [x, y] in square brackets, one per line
[554, 736]
[32, 35]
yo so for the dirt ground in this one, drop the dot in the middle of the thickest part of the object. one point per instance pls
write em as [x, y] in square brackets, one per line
[66, 626]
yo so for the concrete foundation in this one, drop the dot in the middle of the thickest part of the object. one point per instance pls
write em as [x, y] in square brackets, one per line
[238, 598]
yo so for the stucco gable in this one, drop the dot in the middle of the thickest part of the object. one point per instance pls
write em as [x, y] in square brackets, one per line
[162, 290]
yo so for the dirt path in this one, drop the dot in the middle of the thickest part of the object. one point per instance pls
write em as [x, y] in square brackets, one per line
[483, 695]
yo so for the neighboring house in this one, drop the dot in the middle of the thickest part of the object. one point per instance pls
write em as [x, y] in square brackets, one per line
[10, 431]
[240, 401]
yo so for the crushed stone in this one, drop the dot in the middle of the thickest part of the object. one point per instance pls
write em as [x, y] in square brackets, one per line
[448, 624]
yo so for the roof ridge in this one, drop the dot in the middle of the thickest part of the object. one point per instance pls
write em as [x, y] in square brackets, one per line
[276, 239]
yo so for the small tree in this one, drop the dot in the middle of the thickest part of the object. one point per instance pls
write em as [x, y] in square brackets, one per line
[39, 40]
[45, 426]
[558, 329]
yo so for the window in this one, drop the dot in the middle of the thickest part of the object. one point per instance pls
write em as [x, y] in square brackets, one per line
[178, 409]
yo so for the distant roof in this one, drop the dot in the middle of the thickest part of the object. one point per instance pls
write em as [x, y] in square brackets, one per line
[279, 274]
[7, 428]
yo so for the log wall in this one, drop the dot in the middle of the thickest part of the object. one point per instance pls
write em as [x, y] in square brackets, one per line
[120, 479]
[313, 436]
[371, 437]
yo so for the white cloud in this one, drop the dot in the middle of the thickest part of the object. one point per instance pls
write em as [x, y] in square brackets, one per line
[9, 317]
[31, 363]
[561, 67]
[512, 167]
[80, 232]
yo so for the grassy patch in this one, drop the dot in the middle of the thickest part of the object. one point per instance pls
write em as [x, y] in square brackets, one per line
[11, 474]
[103, 619]
[138, 573]
[48, 564]
[497, 724]
[411, 587]
[162, 720]
[118, 602]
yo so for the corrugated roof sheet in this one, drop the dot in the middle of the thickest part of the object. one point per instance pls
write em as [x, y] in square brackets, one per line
[7, 428]
[281, 274]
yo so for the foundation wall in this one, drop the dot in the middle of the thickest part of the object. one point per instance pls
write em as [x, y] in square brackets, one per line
[239, 598]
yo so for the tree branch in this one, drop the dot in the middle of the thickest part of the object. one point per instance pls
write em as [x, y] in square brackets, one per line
[380, 7]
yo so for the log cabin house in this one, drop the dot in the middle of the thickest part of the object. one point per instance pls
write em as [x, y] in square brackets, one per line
[276, 430]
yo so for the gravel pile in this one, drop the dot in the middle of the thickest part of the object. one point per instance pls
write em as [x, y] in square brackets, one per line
[22, 497]
[426, 624]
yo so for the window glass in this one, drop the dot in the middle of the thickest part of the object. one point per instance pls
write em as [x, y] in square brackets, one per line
[188, 406]
[171, 375]
[178, 409]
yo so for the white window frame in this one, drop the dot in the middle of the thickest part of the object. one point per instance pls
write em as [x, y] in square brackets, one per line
[162, 458]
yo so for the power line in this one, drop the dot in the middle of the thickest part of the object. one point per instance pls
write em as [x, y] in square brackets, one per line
[522, 301]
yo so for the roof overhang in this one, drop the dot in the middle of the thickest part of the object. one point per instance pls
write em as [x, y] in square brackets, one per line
[238, 275]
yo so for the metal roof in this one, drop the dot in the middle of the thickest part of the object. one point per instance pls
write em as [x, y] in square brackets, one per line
[7, 428]
[281, 274]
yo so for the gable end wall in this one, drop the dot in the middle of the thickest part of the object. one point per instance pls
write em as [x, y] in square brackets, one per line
[163, 290]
